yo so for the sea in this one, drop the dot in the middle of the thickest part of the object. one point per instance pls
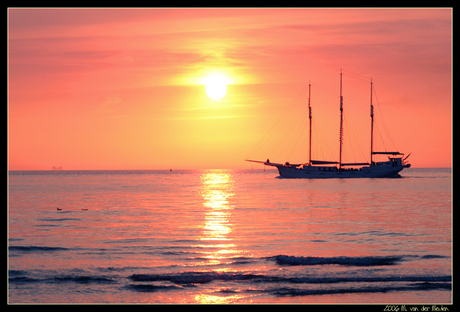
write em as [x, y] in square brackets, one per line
[228, 236]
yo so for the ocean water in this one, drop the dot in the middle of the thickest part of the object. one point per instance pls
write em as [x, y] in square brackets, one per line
[228, 236]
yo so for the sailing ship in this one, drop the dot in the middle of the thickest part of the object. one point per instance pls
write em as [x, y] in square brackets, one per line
[314, 169]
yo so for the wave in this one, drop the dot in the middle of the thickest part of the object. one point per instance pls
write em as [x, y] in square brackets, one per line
[362, 276]
[365, 289]
[36, 248]
[233, 282]
[84, 279]
[193, 277]
[433, 257]
[350, 261]
[207, 277]
[367, 279]
[229, 260]
[18, 277]
[150, 288]
[285, 286]
[23, 279]
[58, 219]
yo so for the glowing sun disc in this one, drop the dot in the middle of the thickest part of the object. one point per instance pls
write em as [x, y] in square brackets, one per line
[216, 87]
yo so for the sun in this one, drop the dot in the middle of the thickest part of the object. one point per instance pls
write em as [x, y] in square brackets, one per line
[216, 87]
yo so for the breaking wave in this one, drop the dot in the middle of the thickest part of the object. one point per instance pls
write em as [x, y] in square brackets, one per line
[250, 282]
[350, 261]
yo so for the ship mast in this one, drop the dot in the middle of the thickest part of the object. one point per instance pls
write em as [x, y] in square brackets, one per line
[341, 121]
[309, 116]
[372, 127]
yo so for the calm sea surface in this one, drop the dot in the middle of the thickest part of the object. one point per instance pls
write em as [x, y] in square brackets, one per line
[228, 236]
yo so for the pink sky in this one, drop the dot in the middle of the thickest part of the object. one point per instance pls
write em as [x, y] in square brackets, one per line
[123, 88]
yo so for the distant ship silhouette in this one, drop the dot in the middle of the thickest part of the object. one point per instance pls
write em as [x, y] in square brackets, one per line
[57, 168]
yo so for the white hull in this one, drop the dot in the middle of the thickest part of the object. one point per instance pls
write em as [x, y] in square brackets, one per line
[311, 172]
[386, 169]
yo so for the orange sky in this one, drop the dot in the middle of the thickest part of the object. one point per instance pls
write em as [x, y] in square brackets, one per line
[123, 88]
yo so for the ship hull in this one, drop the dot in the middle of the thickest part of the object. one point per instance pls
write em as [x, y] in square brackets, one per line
[312, 172]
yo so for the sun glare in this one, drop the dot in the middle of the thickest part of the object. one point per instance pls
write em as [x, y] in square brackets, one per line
[216, 87]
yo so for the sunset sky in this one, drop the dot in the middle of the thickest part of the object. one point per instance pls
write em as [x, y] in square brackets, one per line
[125, 88]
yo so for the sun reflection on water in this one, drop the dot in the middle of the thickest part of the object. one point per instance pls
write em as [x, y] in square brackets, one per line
[217, 189]
[217, 244]
[217, 299]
